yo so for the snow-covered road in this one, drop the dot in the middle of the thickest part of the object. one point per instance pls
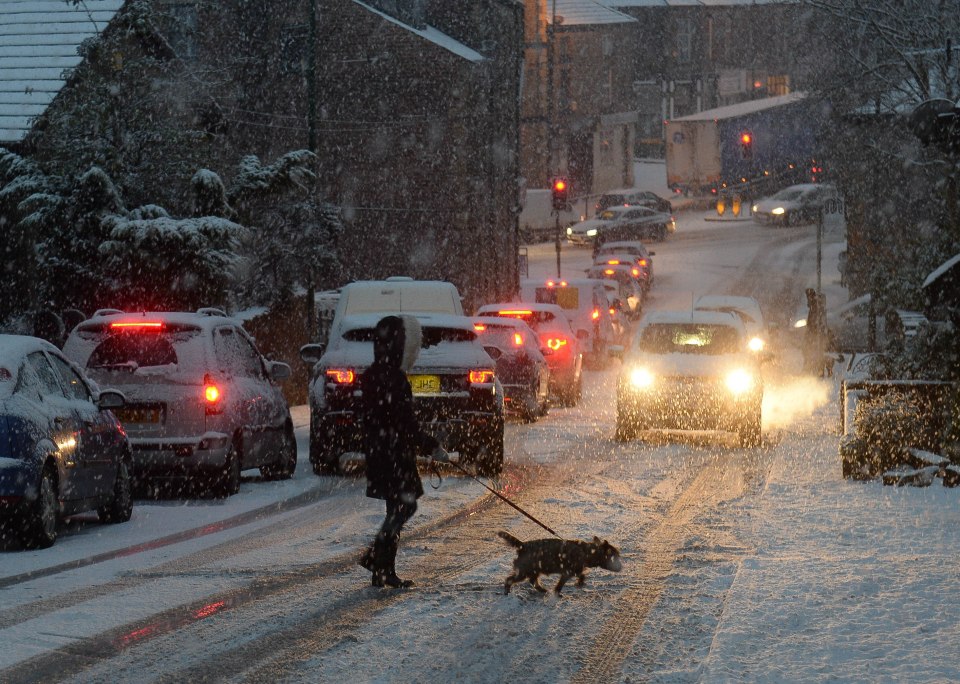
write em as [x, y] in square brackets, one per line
[739, 564]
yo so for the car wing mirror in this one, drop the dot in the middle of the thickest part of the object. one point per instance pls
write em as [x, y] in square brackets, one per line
[111, 399]
[311, 353]
[279, 370]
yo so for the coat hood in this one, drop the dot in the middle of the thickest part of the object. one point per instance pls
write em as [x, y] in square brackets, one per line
[397, 341]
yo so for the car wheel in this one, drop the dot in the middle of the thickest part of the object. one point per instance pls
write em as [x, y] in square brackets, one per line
[751, 432]
[286, 463]
[39, 528]
[626, 427]
[226, 482]
[120, 507]
[489, 458]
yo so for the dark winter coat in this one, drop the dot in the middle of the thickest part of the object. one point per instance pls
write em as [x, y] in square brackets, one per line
[391, 432]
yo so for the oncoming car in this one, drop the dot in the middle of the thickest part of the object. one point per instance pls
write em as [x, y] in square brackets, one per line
[201, 401]
[456, 395]
[793, 205]
[62, 451]
[690, 370]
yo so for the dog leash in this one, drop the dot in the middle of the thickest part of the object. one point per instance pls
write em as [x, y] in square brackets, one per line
[501, 497]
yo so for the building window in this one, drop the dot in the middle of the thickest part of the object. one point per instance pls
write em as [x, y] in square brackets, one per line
[182, 30]
[684, 48]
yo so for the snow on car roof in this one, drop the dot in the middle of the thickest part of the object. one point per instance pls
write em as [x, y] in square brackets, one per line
[370, 320]
[12, 350]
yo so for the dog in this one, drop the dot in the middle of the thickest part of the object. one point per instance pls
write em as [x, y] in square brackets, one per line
[558, 556]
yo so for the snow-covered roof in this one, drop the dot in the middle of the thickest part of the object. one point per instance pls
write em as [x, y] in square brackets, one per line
[691, 316]
[431, 34]
[743, 108]
[585, 13]
[943, 268]
[38, 42]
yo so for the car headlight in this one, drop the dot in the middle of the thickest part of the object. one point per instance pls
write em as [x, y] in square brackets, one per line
[569, 231]
[739, 381]
[591, 232]
[756, 344]
[778, 211]
[754, 208]
[641, 378]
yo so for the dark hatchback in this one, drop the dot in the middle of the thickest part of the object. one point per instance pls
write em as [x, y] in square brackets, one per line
[521, 365]
[62, 451]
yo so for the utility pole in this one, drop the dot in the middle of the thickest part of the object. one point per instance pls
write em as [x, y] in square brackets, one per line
[553, 162]
[311, 76]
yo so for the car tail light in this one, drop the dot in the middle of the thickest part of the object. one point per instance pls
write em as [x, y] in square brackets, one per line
[479, 327]
[481, 377]
[608, 271]
[595, 315]
[643, 262]
[515, 312]
[137, 325]
[635, 272]
[341, 376]
[613, 262]
[517, 340]
[556, 343]
[613, 312]
[212, 395]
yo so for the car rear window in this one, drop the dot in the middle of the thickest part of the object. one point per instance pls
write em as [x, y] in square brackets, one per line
[132, 349]
[501, 336]
[689, 338]
[431, 335]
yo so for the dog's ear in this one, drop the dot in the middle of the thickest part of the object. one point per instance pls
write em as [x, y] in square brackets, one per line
[597, 540]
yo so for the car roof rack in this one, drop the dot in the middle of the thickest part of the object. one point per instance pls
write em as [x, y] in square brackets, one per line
[107, 312]
[211, 311]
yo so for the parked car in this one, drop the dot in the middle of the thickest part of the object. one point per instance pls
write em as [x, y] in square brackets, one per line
[622, 223]
[690, 370]
[552, 327]
[747, 310]
[793, 205]
[585, 304]
[62, 450]
[521, 365]
[456, 394]
[632, 197]
[201, 400]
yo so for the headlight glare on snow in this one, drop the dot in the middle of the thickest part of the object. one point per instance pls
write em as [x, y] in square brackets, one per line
[641, 378]
[739, 381]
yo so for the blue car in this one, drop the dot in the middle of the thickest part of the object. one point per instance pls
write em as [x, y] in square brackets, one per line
[62, 451]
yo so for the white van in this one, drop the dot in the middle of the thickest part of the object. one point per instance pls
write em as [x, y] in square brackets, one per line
[584, 301]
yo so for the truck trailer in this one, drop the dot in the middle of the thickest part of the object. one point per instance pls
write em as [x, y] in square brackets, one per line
[750, 148]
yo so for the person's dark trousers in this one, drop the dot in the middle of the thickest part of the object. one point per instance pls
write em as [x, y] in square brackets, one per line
[388, 538]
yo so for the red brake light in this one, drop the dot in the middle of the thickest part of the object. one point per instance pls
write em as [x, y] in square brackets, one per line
[609, 271]
[595, 315]
[212, 394]
[555, 343]
[137, 325]
[515, 312]
[517, 340]
[613, 312]
[341, 376]
[479, 327]
[481, 377]
[635, 272]
[643, 262]
[613, 262]
[550, 283]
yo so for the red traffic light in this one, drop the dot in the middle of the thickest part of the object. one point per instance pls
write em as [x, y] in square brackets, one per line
[560, 185]
[559, 192]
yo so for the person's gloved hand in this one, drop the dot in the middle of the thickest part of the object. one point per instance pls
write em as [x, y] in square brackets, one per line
[440, 455]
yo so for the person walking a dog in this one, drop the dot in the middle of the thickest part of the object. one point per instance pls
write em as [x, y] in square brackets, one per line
[392, 441]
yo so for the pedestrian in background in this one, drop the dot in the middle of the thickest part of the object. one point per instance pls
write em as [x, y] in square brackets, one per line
[392, 441]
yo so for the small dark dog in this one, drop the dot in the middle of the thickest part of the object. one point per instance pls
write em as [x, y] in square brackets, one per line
[558, 556]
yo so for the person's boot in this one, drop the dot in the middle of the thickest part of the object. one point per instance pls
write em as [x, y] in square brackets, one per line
[367, 560]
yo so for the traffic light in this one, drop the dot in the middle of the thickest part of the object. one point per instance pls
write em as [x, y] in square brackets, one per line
[746, 145]
[560, 188]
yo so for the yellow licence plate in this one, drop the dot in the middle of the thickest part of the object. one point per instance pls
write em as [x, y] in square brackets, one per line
[424, 384]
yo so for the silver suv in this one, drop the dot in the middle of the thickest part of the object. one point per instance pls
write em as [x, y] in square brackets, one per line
[201, 400]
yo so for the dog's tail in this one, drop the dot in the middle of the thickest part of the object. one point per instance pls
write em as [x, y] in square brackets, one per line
[510, 539]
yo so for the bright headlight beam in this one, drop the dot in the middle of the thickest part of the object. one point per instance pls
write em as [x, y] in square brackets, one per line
[739, 381]
[591, 232]
[756, 344]
[641, 377]
[778, 211]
